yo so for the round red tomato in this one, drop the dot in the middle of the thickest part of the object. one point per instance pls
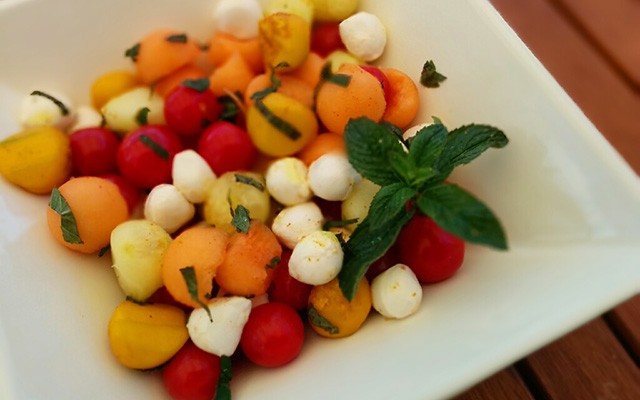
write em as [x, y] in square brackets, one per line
[285, 289]
[227, 147]
[273, 335]
[192, 374]
[132, 195]
[325, 38]
[93, 151]
[382, 78]
[189, 111]
[432, 253]
[145, 155]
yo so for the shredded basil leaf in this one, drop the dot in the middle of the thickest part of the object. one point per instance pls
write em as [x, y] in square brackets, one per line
[430, 77]
[67, 220]
[153, 145]
[249, 181]
[223, 390]
[133, 52]
[199, 85]
[179, 38]
[104, 250]
[63, 109]
[241, 220]
[142, 117]
[321, 322]
[190, 279]
[273, 263]
[283, 126]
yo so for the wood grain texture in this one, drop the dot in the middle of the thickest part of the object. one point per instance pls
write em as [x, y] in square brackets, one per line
[614, 27]
[588, 364]
[625, 320]
[505, 385]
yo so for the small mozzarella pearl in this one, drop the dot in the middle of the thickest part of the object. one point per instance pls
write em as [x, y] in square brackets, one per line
[42, 110]
[192, 175]
[331, 177]
[396, 293]
[167, 207]
[317, 258]
[294, 222]
[221, 333]
[364, 36]
[238, 18]
[286, 180]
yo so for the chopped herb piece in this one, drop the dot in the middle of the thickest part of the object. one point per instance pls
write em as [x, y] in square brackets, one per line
[321, 322]
[190, 279]
[327, 75]
[197, 84]
[132, 52]
[338, 223]
[142, 117]
[67, 220]
[273, 263]
[241, 220]
[153, 145]
[249, 181]
[63, 109]
[430, 77]
[104, 250]
[275, 84]
[223, 390]
[230, 109]
[283, 126]
[179, 38]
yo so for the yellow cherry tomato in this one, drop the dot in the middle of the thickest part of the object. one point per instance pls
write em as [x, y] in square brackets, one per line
[265, 125]
[331, 315]
[146, 336]
[36, 159]
[110, 85]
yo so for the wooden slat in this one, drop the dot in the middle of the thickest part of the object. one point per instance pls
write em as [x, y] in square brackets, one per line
[607, 99]
[505, 385]
[604, 370]
[614, 25]
[625, 319]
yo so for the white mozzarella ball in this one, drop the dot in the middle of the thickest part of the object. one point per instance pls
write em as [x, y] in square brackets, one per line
[295, 222]
[411, 132]
[396, 293]
[192, 175]
[221, 333]
[238, 18]
[167, 207]
[86, 117]
[287, 182]
[364, 35]
[331, 177]
[317, 258]
[46, 109]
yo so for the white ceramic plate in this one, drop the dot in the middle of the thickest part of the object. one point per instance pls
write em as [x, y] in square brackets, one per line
[567, 200]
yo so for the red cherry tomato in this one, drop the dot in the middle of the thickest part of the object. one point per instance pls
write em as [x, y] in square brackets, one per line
[192, 374]
[431, 252]
[188, 111]
[325, 38]
[388, 260]
[273, 335]
[132, 195]
[285, 289]
[145, 155]
[227, 147]
[93, 151]
[380, 76]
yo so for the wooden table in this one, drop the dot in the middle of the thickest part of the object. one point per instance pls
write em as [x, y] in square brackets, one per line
[592, 48]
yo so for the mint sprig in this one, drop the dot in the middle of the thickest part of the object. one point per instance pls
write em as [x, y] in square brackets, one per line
[412, 181]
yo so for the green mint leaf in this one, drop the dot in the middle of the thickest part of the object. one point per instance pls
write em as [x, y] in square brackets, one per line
[430, 77]
[365, 246]
[154, 146]
[461, 214]
[223, 390]
[132, 52]
[241, 220]
[327, 75]
[230, 109]
[428, 144]
[338, 223]
[179, 38]
[67, 221]
[273, 263]
[199, 85]
[249, 181]
[388, 202]
[63, 108]
[321, 322]
[370, 147]
[190, 279]
[466, 143]
[283, 126]
[275, 84]
[142, 117]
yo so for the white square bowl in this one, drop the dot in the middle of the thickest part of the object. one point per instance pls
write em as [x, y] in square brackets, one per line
[570, 206]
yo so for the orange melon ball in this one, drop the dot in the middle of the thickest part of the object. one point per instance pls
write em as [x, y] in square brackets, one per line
[97, 206]
[323, 144]
[362, 97]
